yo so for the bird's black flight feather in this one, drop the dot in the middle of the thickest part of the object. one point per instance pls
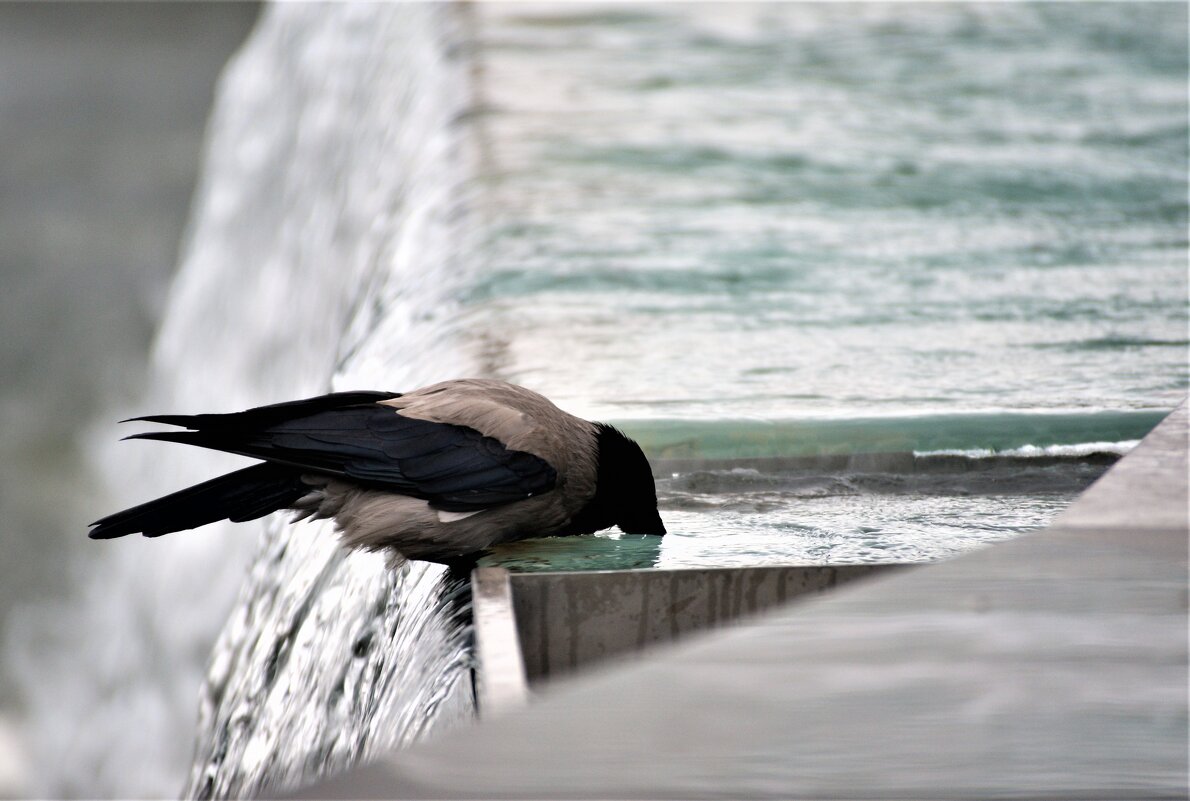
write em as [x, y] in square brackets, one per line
[349, 435]
[243, 495]
[267, 415]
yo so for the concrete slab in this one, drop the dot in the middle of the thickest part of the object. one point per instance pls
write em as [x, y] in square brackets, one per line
[502, 684]
[1147, 490]
[572, 621]
[1053, 666]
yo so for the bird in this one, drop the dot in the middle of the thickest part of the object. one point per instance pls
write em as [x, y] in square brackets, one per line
[438, 474]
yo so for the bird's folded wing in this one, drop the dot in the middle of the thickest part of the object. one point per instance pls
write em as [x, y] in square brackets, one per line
[349, 435]
[243, 495]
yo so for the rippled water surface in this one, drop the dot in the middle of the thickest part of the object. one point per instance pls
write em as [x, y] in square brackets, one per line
[795, 210]
[890, 508]
[799, 229]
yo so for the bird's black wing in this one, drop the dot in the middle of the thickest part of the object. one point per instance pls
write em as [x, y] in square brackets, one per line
[350, 435]
[243, 495]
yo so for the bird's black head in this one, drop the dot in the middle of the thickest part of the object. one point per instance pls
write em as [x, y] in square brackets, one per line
[626, 490]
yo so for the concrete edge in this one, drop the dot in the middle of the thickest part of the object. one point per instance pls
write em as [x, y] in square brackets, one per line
[572, 622]
[1148, 489]
[501, 680]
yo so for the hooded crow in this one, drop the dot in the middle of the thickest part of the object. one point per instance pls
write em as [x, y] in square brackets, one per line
[437, 474]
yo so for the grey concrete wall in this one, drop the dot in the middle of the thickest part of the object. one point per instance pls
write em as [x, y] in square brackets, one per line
[532, 627]
[568, 621]
[500, 675]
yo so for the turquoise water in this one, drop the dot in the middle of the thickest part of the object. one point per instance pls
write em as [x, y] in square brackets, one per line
[799, 512]
[777, 528]
[793, 211]
[800, 229]
[666, 438]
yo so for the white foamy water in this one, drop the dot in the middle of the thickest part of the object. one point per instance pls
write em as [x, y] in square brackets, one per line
[321, 255]
[1075, 450]
[332, 657]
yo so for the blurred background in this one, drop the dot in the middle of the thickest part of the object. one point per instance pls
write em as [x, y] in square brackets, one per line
[102, 112]
[951, 231]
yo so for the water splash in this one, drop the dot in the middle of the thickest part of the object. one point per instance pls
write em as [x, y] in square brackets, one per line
[330, 657]
[322, 253]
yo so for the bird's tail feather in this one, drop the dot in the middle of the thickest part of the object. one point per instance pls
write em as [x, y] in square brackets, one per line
[264, 416]
[243, 495]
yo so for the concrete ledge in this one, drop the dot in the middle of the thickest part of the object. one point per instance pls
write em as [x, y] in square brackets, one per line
[531, 627]
[501, 683]
[571, 621]
[1147, 490]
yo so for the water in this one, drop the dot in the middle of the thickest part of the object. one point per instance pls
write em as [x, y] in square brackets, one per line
[748, 516]
[871, 283]
[321, 254]
[902, 508]
[329, 657]
[789, 230]
[788, 211]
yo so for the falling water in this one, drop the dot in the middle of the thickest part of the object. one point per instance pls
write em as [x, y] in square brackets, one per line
[323, 253]
[335, 197]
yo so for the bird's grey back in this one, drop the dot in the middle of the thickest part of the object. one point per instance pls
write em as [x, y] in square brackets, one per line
[519, 418]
